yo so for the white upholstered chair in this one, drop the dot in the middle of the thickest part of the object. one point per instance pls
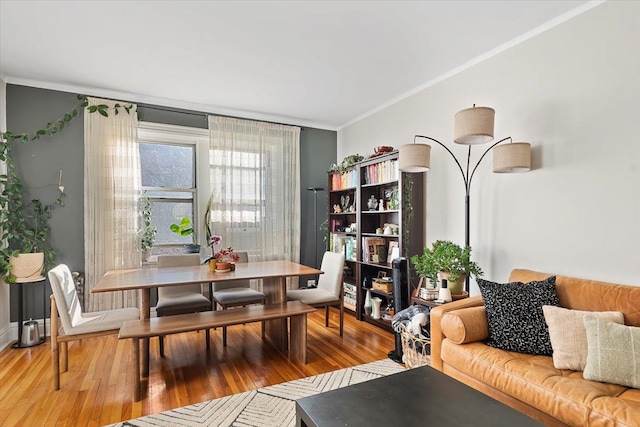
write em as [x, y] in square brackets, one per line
[180, 299]
[235, 294]
[329, 290]
[74, 324]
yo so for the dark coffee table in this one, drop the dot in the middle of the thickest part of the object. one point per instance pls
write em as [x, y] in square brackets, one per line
[417, 397]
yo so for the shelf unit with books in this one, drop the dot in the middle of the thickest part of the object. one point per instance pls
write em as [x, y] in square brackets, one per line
[375, 215]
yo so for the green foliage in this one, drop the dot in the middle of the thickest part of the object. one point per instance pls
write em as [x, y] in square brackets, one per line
[346, 163]
[185, 228]
[149, 231]
[448, 257]
[25, 228]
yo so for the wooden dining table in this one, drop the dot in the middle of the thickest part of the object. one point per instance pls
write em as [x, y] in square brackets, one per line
[272, 273]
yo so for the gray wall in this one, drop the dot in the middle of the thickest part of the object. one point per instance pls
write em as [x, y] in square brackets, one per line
[38, 164]
[317, 153]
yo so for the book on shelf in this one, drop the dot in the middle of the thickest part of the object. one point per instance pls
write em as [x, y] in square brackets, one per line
[374, 250]
[381, 172]
[345, 245]
[348, 179]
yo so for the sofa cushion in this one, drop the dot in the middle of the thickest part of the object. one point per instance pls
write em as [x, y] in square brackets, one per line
[515, 317]
[568, 335]
[563, 394]
[614, 352]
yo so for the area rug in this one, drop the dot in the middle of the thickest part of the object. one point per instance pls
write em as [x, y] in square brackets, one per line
[272, 406]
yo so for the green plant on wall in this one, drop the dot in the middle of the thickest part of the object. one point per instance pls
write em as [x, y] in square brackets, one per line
[407, 212]
[149, 231]
[25, 227]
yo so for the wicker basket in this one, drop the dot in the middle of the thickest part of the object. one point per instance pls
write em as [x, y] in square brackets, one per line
[414, 349]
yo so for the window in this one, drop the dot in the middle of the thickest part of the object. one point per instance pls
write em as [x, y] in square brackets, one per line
[168, 178]
[168, 163]
[246, 197]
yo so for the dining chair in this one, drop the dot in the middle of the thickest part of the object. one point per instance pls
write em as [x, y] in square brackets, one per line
[329, 290]
[180, 299]
[237, 293]
[74, 324]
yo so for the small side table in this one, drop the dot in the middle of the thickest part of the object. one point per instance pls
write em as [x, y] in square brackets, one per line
[21, 313]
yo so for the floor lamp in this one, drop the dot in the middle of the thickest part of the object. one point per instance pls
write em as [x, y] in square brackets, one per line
[473, 126]
[315, 223]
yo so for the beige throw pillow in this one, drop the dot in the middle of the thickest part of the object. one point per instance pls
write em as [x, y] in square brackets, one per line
[568, 334]
[614, 352]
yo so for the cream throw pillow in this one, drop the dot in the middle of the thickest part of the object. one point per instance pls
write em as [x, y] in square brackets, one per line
[614, 352]
[568, 334]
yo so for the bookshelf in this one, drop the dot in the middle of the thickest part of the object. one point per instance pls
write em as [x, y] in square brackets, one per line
[375, 214]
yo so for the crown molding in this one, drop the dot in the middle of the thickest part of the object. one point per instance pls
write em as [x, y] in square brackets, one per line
[171, 103]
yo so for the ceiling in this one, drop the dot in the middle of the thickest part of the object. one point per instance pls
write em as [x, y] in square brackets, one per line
[312, 63]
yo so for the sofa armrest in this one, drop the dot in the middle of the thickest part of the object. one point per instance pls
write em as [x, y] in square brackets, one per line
[465, 325]
[436, 331]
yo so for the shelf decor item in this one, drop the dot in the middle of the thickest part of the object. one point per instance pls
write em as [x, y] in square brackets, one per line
[446, 260]
[367, 303]
[472, 126]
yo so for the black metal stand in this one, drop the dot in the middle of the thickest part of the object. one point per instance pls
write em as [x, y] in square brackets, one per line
[21, 313]
[315, 223]
[467, 184]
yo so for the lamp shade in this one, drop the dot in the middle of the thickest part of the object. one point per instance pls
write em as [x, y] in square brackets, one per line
[474, 125]
[414, 158]
[514, 157]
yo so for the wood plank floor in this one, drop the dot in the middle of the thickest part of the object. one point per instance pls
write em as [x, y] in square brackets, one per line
[97, 389]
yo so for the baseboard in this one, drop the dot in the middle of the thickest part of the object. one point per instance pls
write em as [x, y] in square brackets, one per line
[10, 334]
[5, 337]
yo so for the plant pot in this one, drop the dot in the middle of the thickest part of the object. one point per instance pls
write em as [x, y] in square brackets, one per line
[223, 266]
[212, 265]
[192, 248]
[457, 287]
[27, 267]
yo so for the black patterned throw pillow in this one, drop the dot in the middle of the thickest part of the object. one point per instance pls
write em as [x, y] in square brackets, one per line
[516, 319]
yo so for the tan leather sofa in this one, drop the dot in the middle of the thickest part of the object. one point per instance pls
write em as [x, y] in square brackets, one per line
[530, 383]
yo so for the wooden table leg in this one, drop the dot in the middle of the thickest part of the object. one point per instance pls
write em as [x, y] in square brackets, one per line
[298, 348]
[136, 369]
[275, 290]
[145, 313]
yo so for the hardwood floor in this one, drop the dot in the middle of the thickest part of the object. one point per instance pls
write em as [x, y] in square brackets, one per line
[97, 389]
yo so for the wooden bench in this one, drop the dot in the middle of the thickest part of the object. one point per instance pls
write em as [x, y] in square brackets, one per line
[158, 326]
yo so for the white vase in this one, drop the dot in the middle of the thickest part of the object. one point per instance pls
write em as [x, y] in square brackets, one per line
[375, 308]
[367, 303]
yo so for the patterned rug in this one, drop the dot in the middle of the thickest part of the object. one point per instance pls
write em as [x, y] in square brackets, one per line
[272, 406]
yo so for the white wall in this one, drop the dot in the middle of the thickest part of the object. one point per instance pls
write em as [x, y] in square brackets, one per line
[4, 288]
[574, 93]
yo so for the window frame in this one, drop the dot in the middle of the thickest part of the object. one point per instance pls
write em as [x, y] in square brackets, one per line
[159, 133]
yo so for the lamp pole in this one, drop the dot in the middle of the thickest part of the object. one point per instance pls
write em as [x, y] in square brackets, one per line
[467, 184]
[315, 223]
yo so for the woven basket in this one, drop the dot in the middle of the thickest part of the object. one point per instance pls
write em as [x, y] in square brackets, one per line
[414, 349]
[27, 267]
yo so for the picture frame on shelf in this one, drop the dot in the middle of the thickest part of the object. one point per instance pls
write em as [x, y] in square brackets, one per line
[393, 252]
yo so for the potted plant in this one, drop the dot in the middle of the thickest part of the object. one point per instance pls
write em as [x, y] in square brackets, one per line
[448, 261]
[224, 259]
[185, 228]
[25, 229]
[149, 231]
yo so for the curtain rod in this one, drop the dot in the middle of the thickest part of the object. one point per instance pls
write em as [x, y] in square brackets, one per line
[206, 115]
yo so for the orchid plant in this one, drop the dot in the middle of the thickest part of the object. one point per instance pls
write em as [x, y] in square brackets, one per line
[223, 255]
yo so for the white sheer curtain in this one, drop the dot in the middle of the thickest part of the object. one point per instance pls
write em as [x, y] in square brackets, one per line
[255, 182]
[111, 189]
